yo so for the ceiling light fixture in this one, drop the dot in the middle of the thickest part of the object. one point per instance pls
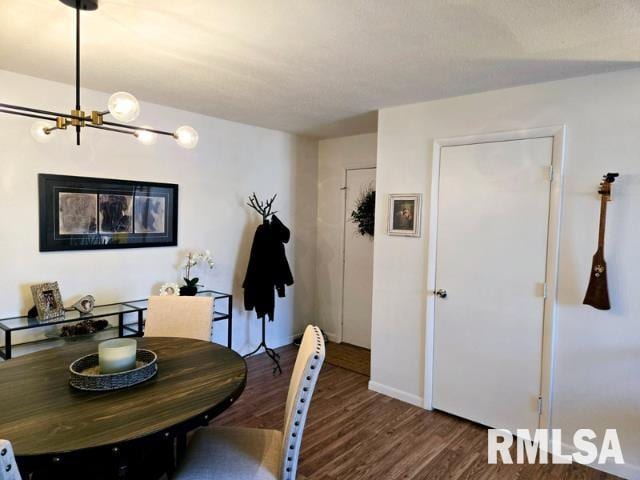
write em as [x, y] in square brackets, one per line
[121, 105]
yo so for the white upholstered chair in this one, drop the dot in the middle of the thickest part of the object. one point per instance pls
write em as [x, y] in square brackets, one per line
[185, 317]
[8, 466]
[256, 454]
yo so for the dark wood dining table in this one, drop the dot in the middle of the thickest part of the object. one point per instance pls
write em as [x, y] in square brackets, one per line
[60, 432]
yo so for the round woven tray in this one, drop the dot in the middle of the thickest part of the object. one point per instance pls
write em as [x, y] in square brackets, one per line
[84, 373]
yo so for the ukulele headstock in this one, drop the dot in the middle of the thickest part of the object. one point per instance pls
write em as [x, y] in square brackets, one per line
[605, 185]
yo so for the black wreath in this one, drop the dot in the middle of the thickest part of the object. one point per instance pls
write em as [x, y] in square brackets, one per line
[364, 214]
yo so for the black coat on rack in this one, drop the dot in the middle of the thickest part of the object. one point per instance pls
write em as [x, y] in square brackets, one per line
[268, 271]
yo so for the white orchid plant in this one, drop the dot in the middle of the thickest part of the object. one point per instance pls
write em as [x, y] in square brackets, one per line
[192, 260]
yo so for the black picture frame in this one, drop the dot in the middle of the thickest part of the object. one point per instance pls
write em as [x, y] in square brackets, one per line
[86, 213]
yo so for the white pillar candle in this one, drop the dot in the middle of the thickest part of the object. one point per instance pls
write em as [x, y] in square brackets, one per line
[117, 355]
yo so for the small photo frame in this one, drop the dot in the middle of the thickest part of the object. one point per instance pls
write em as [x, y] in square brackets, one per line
[170, 289]
[404, 214]
[46, 297]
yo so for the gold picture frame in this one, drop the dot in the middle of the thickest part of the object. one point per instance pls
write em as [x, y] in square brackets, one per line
[47, 299]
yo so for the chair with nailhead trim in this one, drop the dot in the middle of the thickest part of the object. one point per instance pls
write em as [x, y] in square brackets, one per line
[258, 454]
[8, 466]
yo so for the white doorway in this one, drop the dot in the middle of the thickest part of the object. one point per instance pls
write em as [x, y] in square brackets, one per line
[358, 264]
[493, 253]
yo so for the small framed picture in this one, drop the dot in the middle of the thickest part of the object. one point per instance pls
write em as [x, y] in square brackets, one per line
[404, 214]
[169, 289]
[48, 301]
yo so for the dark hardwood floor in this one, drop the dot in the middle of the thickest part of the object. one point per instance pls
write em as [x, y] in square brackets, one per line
[354, 433]
[349, 357]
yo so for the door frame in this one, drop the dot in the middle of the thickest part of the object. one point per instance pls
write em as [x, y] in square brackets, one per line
[344, 244]
[557, 133]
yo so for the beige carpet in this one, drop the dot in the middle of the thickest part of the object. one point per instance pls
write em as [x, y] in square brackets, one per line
[349, 357]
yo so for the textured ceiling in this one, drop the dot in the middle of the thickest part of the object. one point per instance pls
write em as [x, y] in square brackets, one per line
[317, 67]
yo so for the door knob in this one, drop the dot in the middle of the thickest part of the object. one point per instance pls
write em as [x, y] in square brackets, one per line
[442, 293]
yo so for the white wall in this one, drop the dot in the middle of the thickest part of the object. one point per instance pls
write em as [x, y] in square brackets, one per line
[597, 370]
[335, 156]
[231, 161]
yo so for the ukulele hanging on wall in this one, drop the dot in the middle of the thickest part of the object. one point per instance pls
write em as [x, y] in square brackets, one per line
[598, 292]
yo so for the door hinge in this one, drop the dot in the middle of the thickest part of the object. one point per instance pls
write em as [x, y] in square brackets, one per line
[544, 290]
[550, 173]
[539, 405]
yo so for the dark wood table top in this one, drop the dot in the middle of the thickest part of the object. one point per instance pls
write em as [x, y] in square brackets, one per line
[42, 414]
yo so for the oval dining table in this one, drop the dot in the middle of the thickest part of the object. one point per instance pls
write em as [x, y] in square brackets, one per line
[60, 432]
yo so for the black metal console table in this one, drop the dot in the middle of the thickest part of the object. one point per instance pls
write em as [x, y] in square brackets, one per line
[120, 310]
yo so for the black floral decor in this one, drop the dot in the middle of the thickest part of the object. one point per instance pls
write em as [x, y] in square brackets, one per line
[364, 214]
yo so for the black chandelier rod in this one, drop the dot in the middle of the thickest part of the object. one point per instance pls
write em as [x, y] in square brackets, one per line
[109, 129]
[37, 113]
[78, 67]
[45, 112]
[27, 114]
[133, 127]
[53, 119]
[51, 116]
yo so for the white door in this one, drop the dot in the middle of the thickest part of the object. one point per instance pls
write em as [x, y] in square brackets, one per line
[493, 215]
[358, 265]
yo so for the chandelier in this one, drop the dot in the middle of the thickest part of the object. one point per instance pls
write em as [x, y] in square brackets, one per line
[121, 105]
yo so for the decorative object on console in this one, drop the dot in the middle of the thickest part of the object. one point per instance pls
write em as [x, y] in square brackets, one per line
[47, 299]
[85, 304]
[169, 289]
[85, 327]
[597, 294]
[193, 260]
[268, 270]
[364, 215]
[121, 105]
[84, 213]
[404, 214]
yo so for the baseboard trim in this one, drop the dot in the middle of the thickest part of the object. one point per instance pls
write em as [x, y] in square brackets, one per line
[332, 337]
[627, 470]
[397, 394]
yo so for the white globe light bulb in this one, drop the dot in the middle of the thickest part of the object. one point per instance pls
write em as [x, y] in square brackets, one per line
[40, 132]
[146, 137]
[124, 106]
[186, 136]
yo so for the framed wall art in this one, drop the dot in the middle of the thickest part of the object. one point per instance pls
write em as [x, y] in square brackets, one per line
[47, 299]
[404, 214]
[85, 213]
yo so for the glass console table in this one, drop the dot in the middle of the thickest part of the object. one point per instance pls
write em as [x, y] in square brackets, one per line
[133, 329]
